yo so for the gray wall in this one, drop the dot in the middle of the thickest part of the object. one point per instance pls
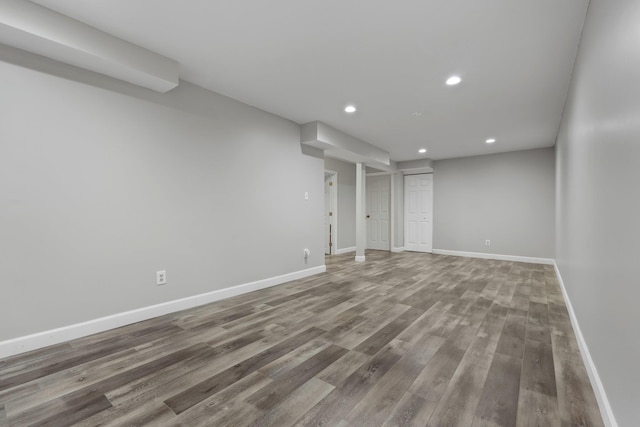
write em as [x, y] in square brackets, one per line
[598, 199]
[507, 198]
[98, 190]
[346, 201]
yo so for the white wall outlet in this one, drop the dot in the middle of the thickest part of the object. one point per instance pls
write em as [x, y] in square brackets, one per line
[161, 277]
[306, 195]
[306, 252]
[487, 242]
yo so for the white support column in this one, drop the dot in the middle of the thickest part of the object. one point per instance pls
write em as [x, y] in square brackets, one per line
[392, 211]
[397, 211]
[361, 221]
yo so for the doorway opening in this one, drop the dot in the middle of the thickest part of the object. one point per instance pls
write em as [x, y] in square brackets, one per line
[330, 211]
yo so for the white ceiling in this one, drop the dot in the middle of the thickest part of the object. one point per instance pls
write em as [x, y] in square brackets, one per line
[305, 60]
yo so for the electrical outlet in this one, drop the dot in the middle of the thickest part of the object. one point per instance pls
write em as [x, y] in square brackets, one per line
[487, 242]
[306, 195]
[161, 277]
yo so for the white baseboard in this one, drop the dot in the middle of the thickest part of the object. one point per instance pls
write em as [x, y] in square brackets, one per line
[78, 330]
[353, 249]
[532, 260]
[345, 250]
[360, 258]
[598, 388]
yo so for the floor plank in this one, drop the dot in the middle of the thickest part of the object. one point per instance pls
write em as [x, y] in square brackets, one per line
[538, 373]
[295, 405]
[498, 404]
[411, 411]
[287, 382]
[197, 393]
[380, 401]
[227, 406]
[537, 410]
[337, 404]
[576, 406]
[460, 399]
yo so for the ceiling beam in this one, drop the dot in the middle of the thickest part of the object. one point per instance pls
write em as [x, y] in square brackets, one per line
[34, 28]
[416, 166]
[342, 146]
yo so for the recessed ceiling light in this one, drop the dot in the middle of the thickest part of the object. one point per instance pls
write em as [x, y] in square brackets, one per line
[350, 109]
[490, 140]
[453, 80]
[422, 150]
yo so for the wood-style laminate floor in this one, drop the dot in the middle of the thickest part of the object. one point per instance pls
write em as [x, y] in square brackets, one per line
[401, 340]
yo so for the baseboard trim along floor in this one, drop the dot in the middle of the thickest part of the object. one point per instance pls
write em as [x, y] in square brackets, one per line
[516, 258]
[55, 336]
[345, 250]
[598, 388]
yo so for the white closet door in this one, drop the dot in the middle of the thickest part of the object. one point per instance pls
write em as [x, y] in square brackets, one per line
[418, 212]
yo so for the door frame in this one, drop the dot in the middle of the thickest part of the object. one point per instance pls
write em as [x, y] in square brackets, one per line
[333, 194]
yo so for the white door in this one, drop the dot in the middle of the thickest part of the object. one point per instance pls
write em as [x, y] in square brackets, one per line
[418, 212]
[378, 212]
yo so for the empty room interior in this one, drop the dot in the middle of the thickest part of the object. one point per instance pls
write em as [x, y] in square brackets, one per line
[339, 213]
